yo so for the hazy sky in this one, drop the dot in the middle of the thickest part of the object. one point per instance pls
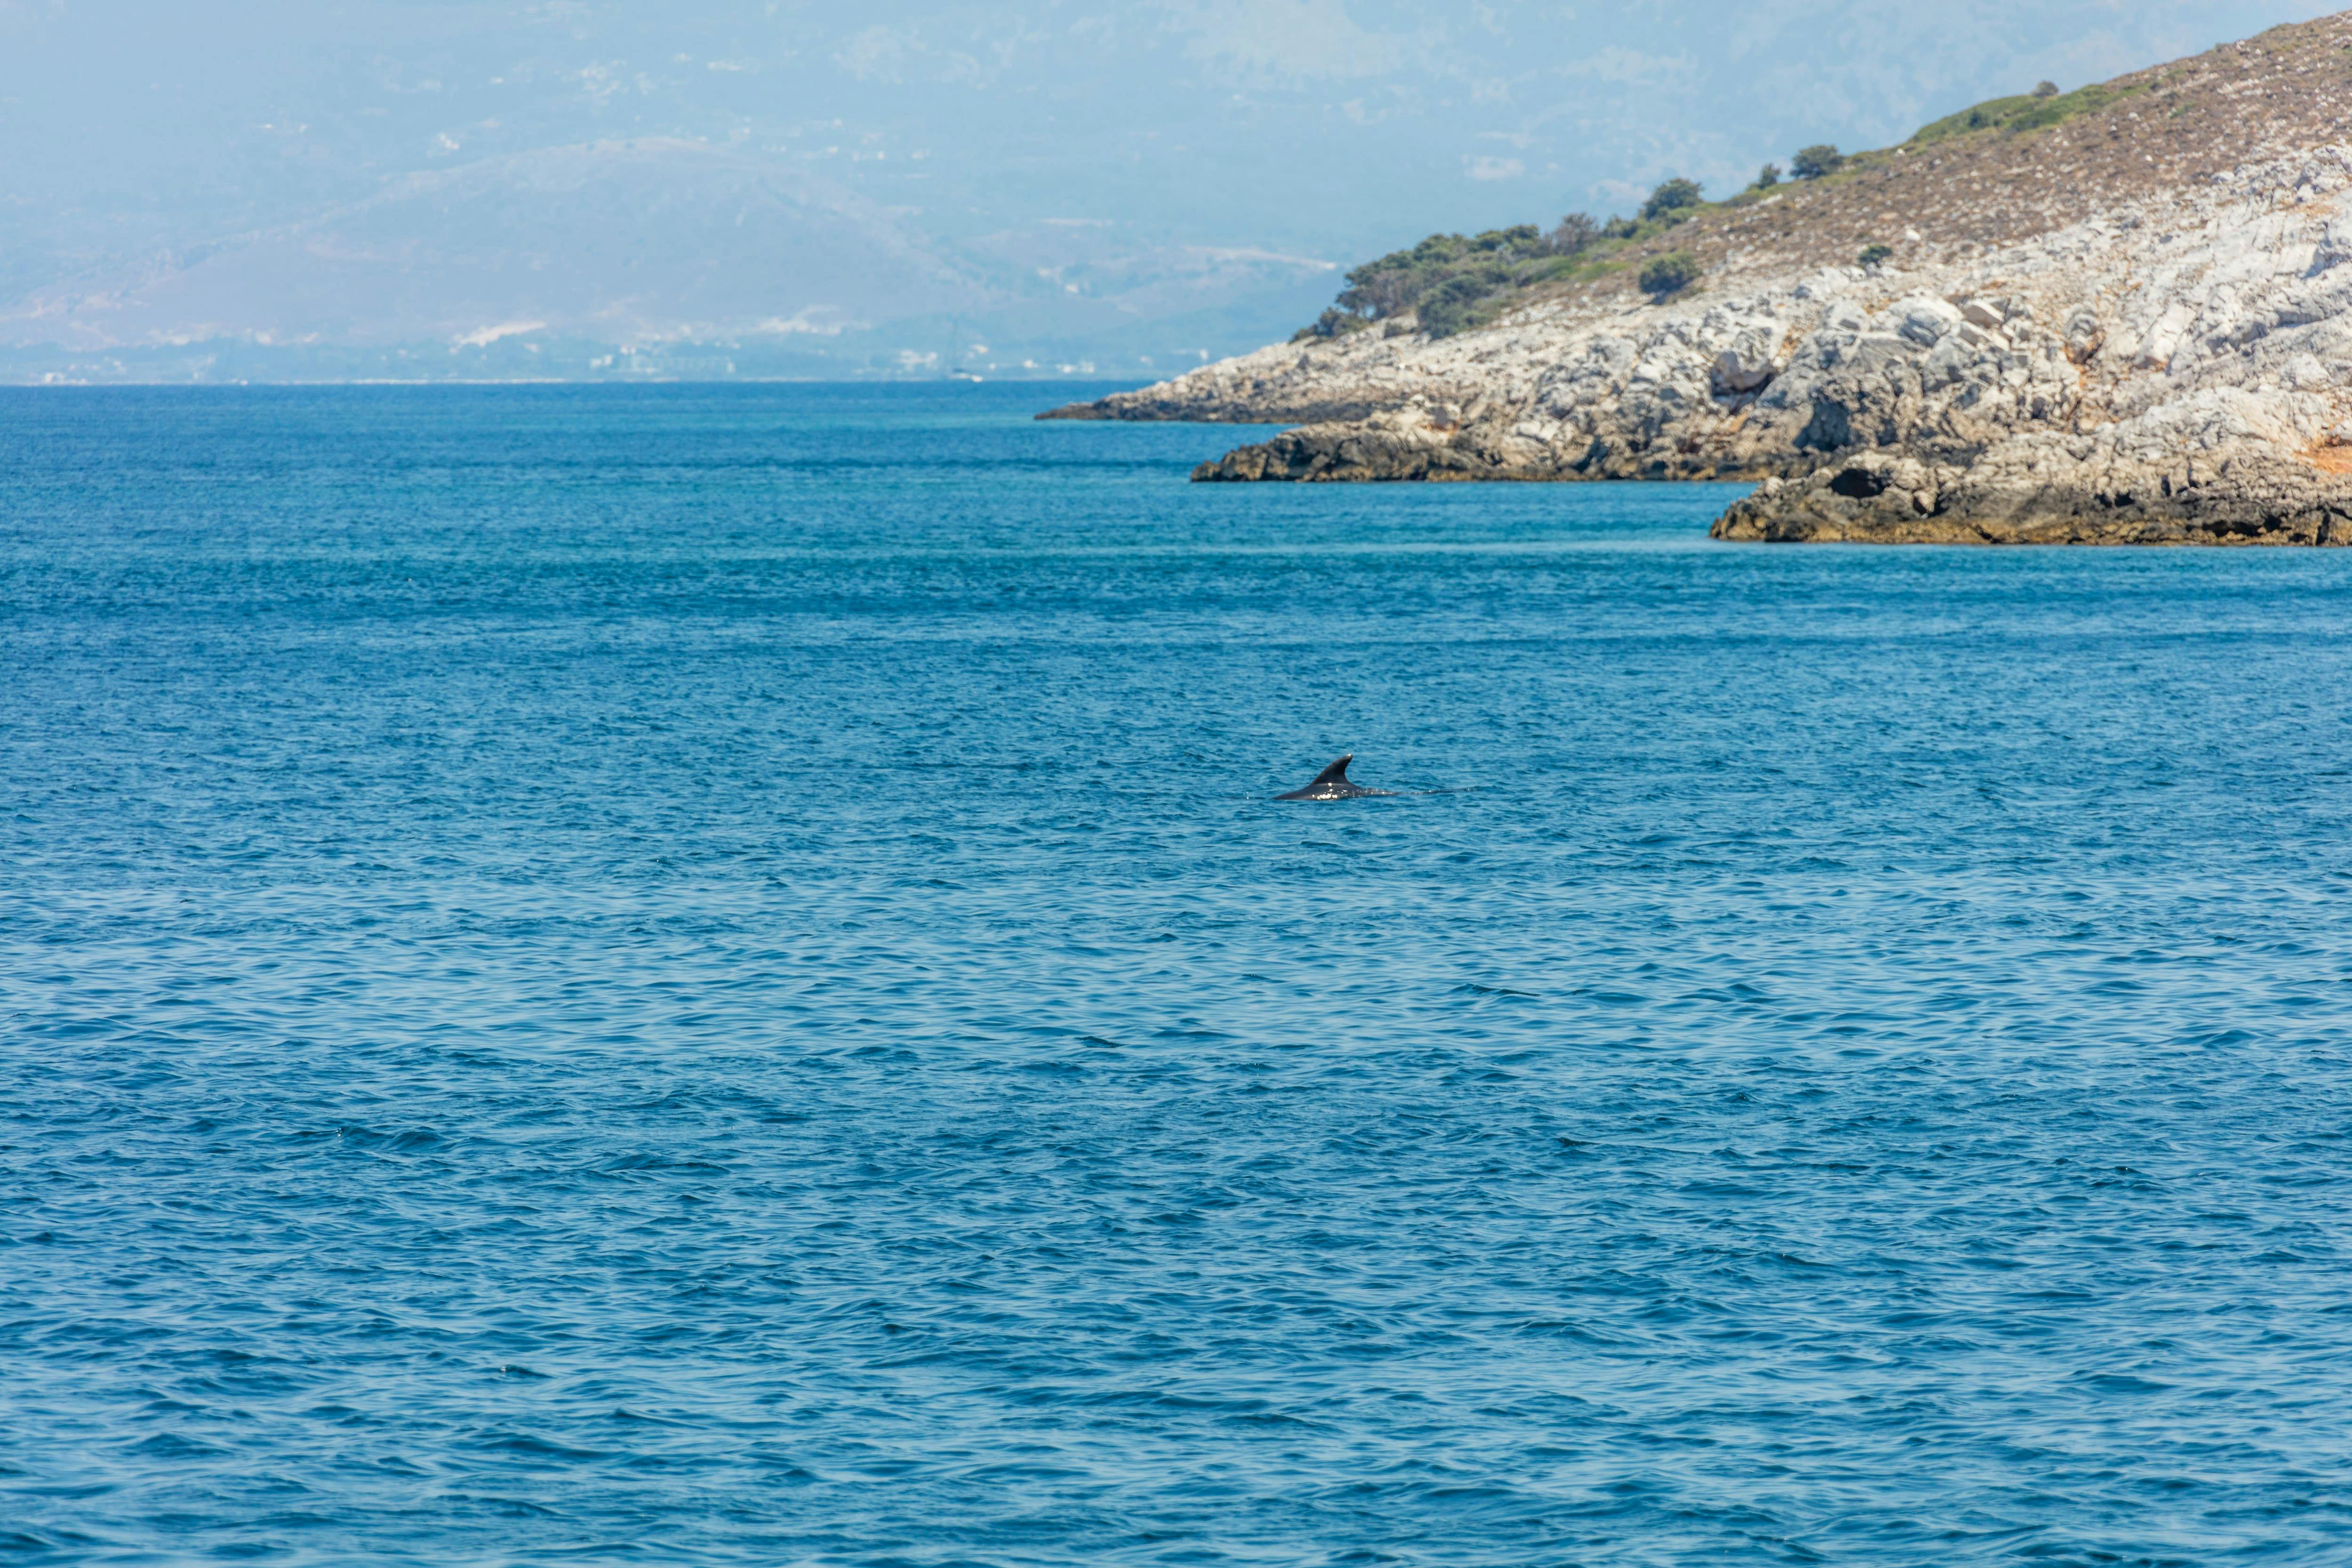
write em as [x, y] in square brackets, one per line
[1161, 158]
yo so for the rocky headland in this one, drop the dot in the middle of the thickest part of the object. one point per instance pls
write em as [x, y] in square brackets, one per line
[2129, 324]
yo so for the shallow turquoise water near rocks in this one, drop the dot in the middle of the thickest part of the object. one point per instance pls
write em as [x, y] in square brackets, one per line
[708, 974]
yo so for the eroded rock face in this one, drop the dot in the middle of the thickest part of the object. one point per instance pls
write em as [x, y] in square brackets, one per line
[2179, 372]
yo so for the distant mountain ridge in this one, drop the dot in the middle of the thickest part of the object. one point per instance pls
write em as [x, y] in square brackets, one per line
[657, 256]
[554, 235]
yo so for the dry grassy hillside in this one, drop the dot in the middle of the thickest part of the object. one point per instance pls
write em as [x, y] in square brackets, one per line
[1952, 191]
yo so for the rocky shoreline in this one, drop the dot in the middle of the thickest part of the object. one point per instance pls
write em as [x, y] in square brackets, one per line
[2175, 369]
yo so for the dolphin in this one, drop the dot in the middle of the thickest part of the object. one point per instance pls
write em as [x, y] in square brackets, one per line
[1332, 784]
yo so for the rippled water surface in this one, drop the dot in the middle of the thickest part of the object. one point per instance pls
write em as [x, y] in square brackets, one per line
[708, 975]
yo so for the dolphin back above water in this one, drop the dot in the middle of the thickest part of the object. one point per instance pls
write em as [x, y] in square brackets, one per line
[1332, 784]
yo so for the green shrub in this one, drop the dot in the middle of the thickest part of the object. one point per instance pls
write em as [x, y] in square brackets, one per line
[1672, 197]
[1445, 279]
[1874, 256]
[1813, 163]
[1452, 305]
[1620, 228]
[1768, 177]
[2026, 111]
[2045, 89]
[1669, 274]
[1333, 322]
[1517, 238]
[1576, 232]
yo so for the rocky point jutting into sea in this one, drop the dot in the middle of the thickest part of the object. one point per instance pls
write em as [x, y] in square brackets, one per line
[2126, 318]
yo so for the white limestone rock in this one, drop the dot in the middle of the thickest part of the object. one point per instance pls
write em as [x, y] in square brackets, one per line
[2200, 360]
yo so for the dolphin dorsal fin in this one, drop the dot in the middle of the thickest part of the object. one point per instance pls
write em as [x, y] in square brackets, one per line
[1335, 773]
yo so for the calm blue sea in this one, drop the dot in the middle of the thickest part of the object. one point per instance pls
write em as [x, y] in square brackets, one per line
[708, 975]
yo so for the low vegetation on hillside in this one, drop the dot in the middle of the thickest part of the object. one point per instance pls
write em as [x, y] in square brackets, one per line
[1826, 203]
[2028, 112]
[1445, 278]
[1452, 282]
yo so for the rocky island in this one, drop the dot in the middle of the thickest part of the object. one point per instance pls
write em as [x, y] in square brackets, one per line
[2119, 315]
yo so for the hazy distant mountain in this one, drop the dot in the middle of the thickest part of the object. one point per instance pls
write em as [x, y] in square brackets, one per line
[362, 187]
[629, 241]
[655, 252]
